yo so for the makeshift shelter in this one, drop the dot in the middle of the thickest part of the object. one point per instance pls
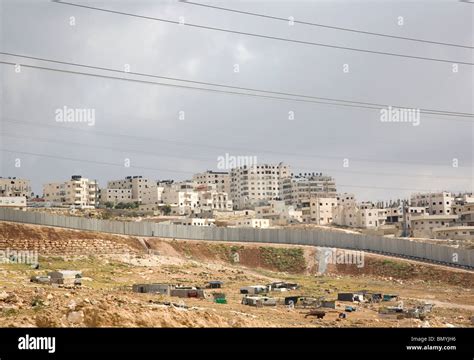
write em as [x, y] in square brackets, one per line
[163, 289]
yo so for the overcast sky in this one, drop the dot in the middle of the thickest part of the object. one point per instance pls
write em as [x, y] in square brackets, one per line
[141, 122]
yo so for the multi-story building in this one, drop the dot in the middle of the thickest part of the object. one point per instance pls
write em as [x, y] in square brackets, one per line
[318, 210]
[364, 215]
[210, 200]
[78, 192]
[465, 213]
[141, 190]
[300, 188]
[255, 185]
[369, 216]
[435, 203]
[115, 196]
[394, 214]
[279, 213]
[182, 197]
[422, 226]
[220, 179]
[346, 199]
[13, 187]
[454, 232]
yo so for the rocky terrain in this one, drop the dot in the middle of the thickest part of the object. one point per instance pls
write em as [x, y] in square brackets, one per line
[116, 262]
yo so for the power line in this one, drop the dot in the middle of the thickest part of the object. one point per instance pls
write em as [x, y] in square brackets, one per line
[458, 116]
[188, 144]
[377, 105]
[124, 150]
[265, 36]
[207, 89]
[93, 161]
[323, 25]
[320, 135]
[179, 171]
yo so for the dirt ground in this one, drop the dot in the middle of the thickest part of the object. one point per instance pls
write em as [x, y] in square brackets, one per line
[105, 299]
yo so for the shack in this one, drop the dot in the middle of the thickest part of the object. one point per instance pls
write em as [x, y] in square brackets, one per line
[350, 297]
[328, 304]
[253, 289]
[65, 277]
[163, 289]
[187, 292]
[214, 284]
[390, 297]
[259, 301]
[302, 301]
[41, 279]
[282, 286]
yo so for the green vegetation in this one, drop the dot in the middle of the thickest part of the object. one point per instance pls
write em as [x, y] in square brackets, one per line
[129, 205]
[9, 312]
[284, 259]
[37, 303]
[166, 210]
[396, 266]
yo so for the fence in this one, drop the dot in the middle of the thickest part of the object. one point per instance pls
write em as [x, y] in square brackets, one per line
[393, 246]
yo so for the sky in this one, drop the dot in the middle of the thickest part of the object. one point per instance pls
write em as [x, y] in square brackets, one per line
[165, 132]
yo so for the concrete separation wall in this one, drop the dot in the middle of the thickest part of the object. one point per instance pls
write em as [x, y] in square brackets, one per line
[392, 246]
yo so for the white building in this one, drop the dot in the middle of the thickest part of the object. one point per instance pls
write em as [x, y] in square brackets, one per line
[135, 188]
[16, 202]
[252, 223]
[454, 232]
[194, 222]
[256, 185]
[318, 210]
[13, 187]
[78, 192]
[364, 215]
[422, 226]
[465, 213]
[182, 198]
[220, 179]
[435, 203]
[211, 199]
[279, 213]
[115, 196]
[299, 188]
[371, 217]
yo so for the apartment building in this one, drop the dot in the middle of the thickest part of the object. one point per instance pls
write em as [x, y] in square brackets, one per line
[279, 213]
[435, 203]
[300, 188]
[115, 196]
[454, 233]
[220, 179]
[318, 210]
[369, 216]
[140, 189]
[365, 215]
[256, 185]
[346, 199]
[211, 199]
[395, 214]
[465, 213]
[13, 187]
[422, 226]
[182, 197]
[78, 192]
